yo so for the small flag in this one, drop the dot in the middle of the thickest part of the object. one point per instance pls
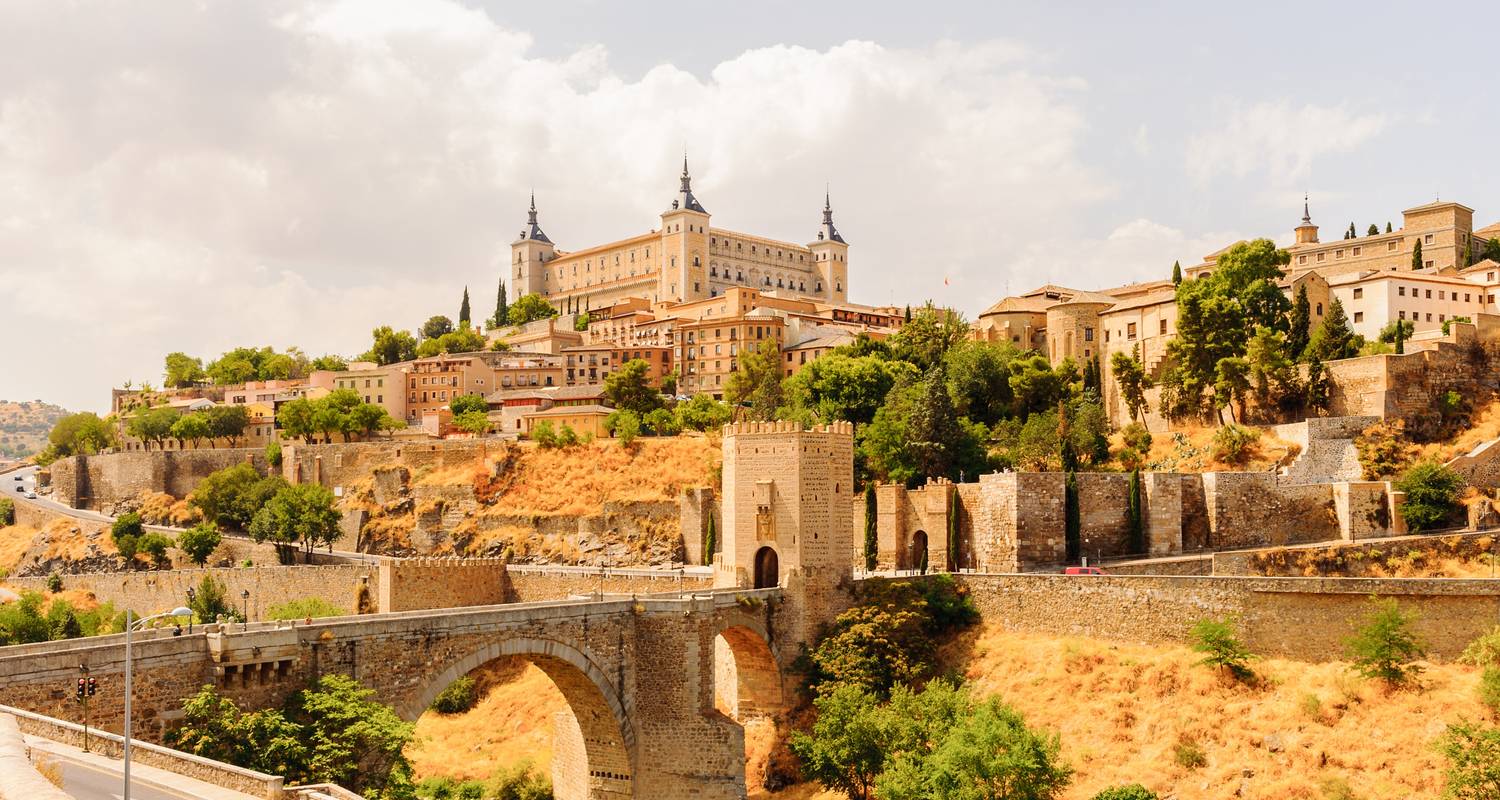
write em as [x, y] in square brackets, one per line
[945, 280]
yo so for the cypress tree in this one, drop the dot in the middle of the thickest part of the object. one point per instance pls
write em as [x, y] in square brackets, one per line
[1072, 539]
[1301, 325]
[710, 541]
[1388, 226]
[1416, 256]
[1352, 234]
[502, 312]
[1468, 255]
[1133, 514]
[1373, 231]
[872, 536]
[1176, 273]
[953, 531]
[1319, 387]
[463, 310]
[1400, 336]
[1334, 339]
[908, 312]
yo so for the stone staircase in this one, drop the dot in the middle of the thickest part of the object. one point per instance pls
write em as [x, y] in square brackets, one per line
[1328, 452]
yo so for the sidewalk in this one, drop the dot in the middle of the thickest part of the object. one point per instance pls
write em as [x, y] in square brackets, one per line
[142, 776]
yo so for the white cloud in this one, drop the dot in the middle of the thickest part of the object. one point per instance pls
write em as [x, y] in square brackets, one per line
[1137, 250]
[300, 172]
[1276, 138]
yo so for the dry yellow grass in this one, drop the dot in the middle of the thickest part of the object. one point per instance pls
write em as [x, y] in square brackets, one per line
[1484, 426]
[1190, 450]
[1121, 710]
[15, 540]
[579, 480]
[510, 724]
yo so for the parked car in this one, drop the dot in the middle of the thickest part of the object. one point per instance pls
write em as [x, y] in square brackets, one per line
[31, 495]
[1083, 571]
[18, 477]
[20, 488]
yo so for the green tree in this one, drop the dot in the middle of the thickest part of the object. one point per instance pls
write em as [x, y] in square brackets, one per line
[1176, 273]
[273, 454]
[475, 422]
[669, 384]
[7, 511]
[183, 371]
[940, 444]
[211, 602]
[978, 380]
[1133, 791]
[78, 434]
[661, 422]
[329, 363]
[927, 337]
[463, 309]
[624, 424]
[756, 383]
[463, 340]
[199, 542]
[1319, 388]
[1133, 381]
[1491, 249]
[841, 387]
[629, 388]
[457, 697]
[1397, 330]
[154, 545]
[530, 307]
[227, 422]
[1334, 338]
[1271, 370]
[545, 435]
[231, 496]
[1373, 231]
[298, 418]
[465, 403]
[1416, 256]
[1432, 491]
[1299, 330]
[1473, 753]
[710, 541]
[846, 748]
[1221, 649]
[988, 753]
[391, 346]
[1234, 444]
[1384, 647]
[436, 326]
[153, 425]
[190, 428]
[126, 532]
[702, 413]
[502, 313]
[1036, 386]
[1447, 323]
[1232, 384]
[304, 513]
[1135, 443]
[872, 536]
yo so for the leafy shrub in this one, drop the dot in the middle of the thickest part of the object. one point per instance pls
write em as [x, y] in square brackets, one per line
[1221, 649]
[1135, 443]
[544, 435]
[199, 542]
[1431, 494]
[54, 583]
[1385, 648]
[7, 511]
[1334, 788]
[1383, 449]
[154, 545]
[303, 608]
[1489, 689]
[211, 601]
[662, 422]
[625, 425]
[1483, 651]
[125, 533]
[1189, 755]
[1473, 753]
[1133, 791]
[1312, 706]
[458, 697]
[273, 454]
[567, 437]
[1234, 443]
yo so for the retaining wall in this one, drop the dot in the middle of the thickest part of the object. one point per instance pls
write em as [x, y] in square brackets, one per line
[97, 481]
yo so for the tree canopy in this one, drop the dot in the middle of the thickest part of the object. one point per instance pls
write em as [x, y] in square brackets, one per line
[530, 307]
[391, 346]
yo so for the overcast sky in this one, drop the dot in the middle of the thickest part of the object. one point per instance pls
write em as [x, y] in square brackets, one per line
[199, 175]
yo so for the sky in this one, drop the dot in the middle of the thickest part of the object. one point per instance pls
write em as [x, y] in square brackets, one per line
[195, 176]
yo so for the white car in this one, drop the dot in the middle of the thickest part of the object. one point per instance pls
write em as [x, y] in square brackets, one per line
[31, 495]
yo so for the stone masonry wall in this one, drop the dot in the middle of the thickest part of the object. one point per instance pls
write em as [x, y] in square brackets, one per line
[150, 591]
[343, 464]
[1104, 523]
[421, 583]
[1301, 618]
[1250, 509]
[529, 584]
[97, 481]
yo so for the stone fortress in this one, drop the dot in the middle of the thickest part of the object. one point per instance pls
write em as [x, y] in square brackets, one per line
[685, 260]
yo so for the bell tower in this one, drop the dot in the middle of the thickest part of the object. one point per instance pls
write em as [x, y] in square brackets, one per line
[529, 255]
[1307, 232]
[831, 257]
[684, 246]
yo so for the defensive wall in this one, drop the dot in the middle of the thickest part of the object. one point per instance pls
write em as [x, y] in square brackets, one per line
[1407, 386]
[1017, 521]
[1300, 618]
[96, 482]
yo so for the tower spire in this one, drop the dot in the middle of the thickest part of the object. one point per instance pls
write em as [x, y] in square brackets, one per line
[685, 198]
[1306, 216]
[533, 231]
[531, 215]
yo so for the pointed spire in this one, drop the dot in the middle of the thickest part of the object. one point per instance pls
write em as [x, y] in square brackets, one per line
[1306, 216]
[533, 231]
[531, 215]
[685, 198]
[687, 180]
[828, 231]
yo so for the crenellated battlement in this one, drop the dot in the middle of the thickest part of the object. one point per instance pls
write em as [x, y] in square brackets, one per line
[784, 427]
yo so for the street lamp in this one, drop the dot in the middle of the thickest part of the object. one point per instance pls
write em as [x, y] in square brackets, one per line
[192, 596]
[129, 669]
[245, 595]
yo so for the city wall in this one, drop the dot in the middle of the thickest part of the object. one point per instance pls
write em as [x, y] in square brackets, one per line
[97, 482]
[342, 464]
[151, 591]
[1301, 618]
[527, 584]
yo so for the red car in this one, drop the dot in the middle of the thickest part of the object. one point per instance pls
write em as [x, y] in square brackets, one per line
[1083, 571]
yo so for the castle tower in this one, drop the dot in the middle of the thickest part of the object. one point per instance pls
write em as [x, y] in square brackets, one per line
[528, 256]
[684, 246]
[831, 257]
[1307, 232]
[788, 516]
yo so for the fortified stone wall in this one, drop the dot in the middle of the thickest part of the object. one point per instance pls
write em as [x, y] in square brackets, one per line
[95, 482]
[342, 464]
[413, 584]
[1408, 386]
[529, 584]
[1301, 618]
[1358, 559]
[150, 591]
[1250, 509]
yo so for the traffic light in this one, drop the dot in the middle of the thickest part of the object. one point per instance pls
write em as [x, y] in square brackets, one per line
[93, 684]
[82, 687]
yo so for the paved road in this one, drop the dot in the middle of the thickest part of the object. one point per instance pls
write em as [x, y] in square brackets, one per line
[88, 782]
[8, 484]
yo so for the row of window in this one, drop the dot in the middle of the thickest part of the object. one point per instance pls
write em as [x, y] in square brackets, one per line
[352, 383]
[1441, 294]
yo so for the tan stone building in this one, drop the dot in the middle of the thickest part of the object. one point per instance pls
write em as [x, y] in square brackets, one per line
[684, 260]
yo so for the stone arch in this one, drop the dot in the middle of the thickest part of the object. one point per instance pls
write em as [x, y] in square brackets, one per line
[767, 568]
[594, 751]
[918, 549]
[747, 675]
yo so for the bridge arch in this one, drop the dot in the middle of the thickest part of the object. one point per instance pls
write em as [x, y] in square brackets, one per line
[594, 758]
[747, 674]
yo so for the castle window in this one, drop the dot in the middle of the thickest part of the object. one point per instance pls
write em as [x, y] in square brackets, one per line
[1427, 239]
[1356, 251]
[1163, 326]
[1339, 253]
[1358, 293]
[1401, 291]
[1401, 314]
[1359, 316]
[1320, 309]
[1322, 257]
[1088, 334]
[1429, 294]
[1301, 259]
[1429, 316]
[1390, 247]
[1466, 297]
[1130, 330]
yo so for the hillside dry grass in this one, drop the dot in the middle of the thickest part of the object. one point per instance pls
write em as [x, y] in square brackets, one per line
[1121, 710]
[1484, 425]
[1191, 450]
[15, 542]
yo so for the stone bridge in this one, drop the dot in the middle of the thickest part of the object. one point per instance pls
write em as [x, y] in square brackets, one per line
[641, 676]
